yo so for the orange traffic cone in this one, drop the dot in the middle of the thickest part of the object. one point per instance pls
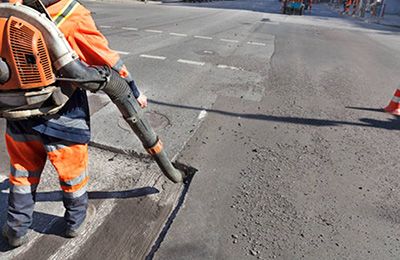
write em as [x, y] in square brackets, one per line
[394, 105]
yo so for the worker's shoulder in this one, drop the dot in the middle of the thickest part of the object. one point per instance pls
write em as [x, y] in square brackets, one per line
[67, 4]
[83, 6]
[80, 2]
[74, 8]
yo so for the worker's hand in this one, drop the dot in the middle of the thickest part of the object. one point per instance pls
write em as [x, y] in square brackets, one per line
[142, 100]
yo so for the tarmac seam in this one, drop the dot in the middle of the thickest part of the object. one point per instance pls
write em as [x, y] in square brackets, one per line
[142, 156]
[170, 219]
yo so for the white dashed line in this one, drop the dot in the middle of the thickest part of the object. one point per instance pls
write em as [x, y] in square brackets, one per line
[122, 52]
[192, 62]
[178, 34]
[105, 26]
[203, 37]
[208, 52]
[228, 40]
[202, 114]
[130, 29]
[227, 67]
[257, 43]
[153, 31]
[153, 57]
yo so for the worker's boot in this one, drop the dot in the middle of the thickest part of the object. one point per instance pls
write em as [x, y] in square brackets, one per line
[90, 213]
[12, 239]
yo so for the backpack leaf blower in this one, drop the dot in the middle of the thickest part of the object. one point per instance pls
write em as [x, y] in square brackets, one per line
[39, 71]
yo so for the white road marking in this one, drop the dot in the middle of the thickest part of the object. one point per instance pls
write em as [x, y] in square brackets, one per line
[203, 37]
[153, 57]
[192, 62]
[122, 52]
[130, 29]
[71, 246]
[153, 31]
[202, 114]
[3, 178]
[178, 34]
[208, 52]
[105, 26]
[257, 43]
[221, 66]
[228, 40]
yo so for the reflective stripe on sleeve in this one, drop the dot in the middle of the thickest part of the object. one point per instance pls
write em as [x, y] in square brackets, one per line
[122, 70]
[119, 65]
[65, 12]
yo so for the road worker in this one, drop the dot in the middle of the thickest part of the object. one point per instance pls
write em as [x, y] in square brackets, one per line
[62, 138]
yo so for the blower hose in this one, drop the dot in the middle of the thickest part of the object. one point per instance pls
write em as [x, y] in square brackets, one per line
[95, 78]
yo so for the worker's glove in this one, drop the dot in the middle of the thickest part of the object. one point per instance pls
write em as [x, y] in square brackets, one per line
[141, 99]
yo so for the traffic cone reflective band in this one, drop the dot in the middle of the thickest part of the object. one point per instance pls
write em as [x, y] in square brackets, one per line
[394, 106]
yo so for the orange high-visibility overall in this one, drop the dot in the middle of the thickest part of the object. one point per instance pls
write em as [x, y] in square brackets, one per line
[61, 139]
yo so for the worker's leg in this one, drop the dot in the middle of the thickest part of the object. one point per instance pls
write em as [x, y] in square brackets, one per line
[27, 157]
[70, 160]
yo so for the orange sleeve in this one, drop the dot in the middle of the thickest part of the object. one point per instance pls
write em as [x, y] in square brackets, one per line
[90, 44]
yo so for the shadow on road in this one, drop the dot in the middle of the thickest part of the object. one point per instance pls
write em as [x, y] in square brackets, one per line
[54, 225]
[390, 124]
[139, 192]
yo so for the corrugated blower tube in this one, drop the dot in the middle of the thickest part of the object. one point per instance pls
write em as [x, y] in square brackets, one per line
[95, 78]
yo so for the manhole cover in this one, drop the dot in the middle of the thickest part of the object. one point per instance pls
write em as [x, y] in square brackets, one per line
[265, 20]
[157, 121]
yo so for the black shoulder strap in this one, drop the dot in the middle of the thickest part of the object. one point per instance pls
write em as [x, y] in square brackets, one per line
[47, 3]
[39, 5]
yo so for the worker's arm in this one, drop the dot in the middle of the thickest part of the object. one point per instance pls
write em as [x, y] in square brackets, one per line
[92, 47]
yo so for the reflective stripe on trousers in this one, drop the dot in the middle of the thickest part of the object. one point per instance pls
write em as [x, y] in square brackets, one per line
[28, 153]
[28, 160]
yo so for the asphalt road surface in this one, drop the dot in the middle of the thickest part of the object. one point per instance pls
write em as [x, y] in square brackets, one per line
[280, 114]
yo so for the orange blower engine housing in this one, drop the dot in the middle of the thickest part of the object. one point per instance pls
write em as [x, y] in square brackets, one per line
[25, 52]
[28, 85]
